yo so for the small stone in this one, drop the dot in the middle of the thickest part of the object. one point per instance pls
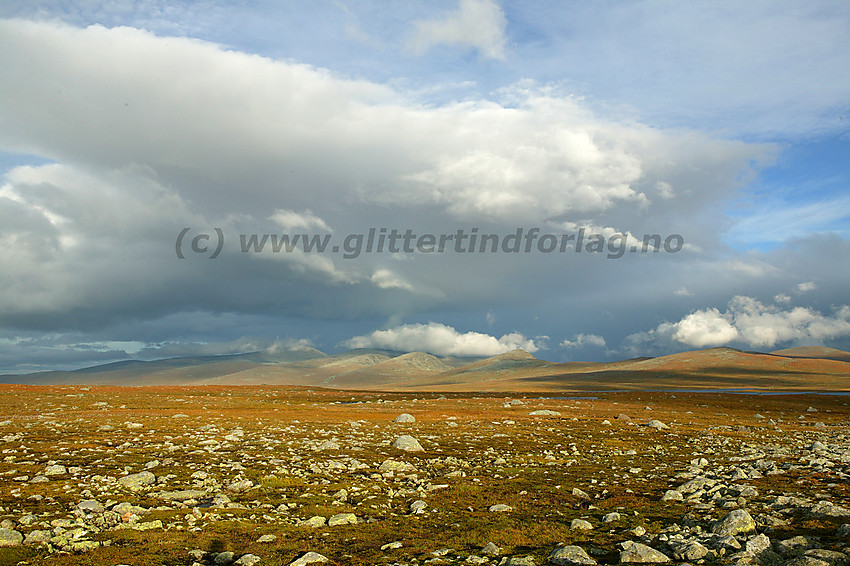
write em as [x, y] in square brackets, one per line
[90, 506]
[405, 418]
[580, 494]
[392, 545]
[418, 507]
[490, 549]
[611, 517]
[500, 508]
[580, 525]
[657, 425]
[329, 445]
[544, 413]
[223, 558]
[267, 538]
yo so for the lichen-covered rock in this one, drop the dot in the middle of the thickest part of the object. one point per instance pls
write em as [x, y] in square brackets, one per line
[570, 556]
[342, 519]
[637, 553]
[138, 481]
[408, 444]
[734, 523]
[10, 537]
[309, 558]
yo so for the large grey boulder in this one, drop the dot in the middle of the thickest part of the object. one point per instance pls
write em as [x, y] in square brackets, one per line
[408, 444]
[309, 558]
[570, 556]
[544, 413]
[342, 519]
[734, 523]
[10, 537]
[138, 481]
[637, 553]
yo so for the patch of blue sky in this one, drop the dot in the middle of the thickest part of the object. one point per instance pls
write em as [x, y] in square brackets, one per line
[806, 192]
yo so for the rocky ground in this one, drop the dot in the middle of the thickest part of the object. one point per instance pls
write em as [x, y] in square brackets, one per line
[280, 476]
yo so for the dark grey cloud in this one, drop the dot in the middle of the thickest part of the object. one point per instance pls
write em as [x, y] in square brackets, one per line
[148, 135]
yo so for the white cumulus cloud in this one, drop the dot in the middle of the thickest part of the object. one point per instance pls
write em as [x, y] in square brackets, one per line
[704, 328]
[581, 340]
[476, 23]
[752, 323]
[441, 340]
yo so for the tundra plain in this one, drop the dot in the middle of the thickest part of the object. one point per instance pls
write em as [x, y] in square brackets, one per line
[279, 475]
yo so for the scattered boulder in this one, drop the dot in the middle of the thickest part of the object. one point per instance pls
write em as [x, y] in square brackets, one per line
[138, 481]
[570, 556]
[55, 470]
[405, 418]
[407, 443]
[247, 560]
[672, 495]
[500, 508]
[10, 537]
[342, 519]
[637, 553]
[390, 465]
[734, 523]
[90, 506]
[309, 558]
[544, 413]
[418, 507]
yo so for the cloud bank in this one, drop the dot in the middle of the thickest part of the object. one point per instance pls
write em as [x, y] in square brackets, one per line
[749, 322]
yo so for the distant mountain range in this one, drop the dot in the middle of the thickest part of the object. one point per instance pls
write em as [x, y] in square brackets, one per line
[792, 369]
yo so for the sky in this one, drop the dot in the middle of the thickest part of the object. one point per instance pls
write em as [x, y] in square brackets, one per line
[143, 145]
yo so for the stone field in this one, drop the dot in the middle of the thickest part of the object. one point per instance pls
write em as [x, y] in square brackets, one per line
[283, 475]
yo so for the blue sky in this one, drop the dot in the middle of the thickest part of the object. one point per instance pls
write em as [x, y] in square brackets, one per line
[123, 122]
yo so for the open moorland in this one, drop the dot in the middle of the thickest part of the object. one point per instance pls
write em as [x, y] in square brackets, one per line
[279, 475]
